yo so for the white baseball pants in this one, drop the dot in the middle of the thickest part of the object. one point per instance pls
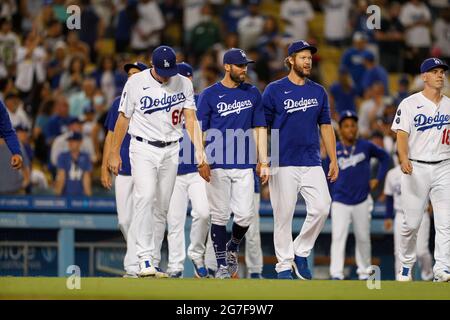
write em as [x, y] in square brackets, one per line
[253, 250]
[284, 186]
[154, 171]
[427, 181]
[123, 186]
[231, 190]
[342, 216]
[189, 186]
[424, 257]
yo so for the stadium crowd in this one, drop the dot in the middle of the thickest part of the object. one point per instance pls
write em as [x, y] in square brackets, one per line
[58, 84]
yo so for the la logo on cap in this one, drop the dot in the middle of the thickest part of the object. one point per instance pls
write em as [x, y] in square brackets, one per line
[243, 53]
[437, 61]
[166, 64]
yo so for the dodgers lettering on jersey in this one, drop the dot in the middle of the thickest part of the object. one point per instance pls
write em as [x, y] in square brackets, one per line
[428, 126]
[155, 109]
[231, 113]
[296, 111]
[110, 123]
[392, 186]
[352, 186]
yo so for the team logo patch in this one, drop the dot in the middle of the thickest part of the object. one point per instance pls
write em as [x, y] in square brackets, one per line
[399, 112]
[397, 121]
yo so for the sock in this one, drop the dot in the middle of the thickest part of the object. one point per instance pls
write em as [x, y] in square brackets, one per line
[237, 235]
[219, 235]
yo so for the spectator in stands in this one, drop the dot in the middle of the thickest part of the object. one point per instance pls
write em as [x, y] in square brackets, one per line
[31, 71]
[342, 94]
[374, 73]
[74, 170]
[251, 26]
[61, 145]
[337, 14]
[390, 38]
[57, 64]
[361, 23]
[107, 77]
[441, 33]
[353, 60]
[72, 78]
[9, 44]
[75, 47]
[231, 14]
[96, 29]
[205, 34]
[146, 33]
[53, 35]
[371, 108]
[59, 120]
[40, 126]
[83, 98]
[16, 112]
[172, 11]
[126, 18]
[416, 18]
[403, 89]
[297, 14]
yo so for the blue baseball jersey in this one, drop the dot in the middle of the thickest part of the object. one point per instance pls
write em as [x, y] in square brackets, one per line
[343, 100]
[187, 163]
[7, 132]
[75, 169]
[296, 111]
[110, 123]
[229, 114]
[352, 186]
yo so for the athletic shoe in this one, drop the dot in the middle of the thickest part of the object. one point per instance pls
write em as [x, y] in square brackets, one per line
[256, 275]
[232, 262]
[301, 268]
[211, 273]
[443, 276]
[404, 275]
[160, 273]
[176, 274]
[285, 275]
[147, 270]
[200, 270]
[223, 273]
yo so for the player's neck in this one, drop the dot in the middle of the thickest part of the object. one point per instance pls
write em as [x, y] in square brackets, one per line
[296, 79]
[432, 94]
[156, 76]
[229, 83]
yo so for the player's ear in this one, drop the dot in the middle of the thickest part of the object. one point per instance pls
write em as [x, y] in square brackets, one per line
[227, 67]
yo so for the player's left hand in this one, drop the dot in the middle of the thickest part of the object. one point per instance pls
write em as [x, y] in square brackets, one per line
[205, 171]
[16, 161]
[373, 184]
[263, 171]
[333, 172]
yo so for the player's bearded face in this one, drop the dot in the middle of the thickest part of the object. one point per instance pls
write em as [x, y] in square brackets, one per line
[303, 63]
[238, 72]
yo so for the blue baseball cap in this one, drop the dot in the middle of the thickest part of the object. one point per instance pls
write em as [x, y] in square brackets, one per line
[75, 136]
[185, 69]
[431, 63]
[348, 114]
[74, 120]
[138, 65]
[164, 61]
[236, 56]
[299, 46]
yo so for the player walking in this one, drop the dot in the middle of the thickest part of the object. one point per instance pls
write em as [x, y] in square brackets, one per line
[422, 125]
[297, 107]
[151, 108]
[352, 202]
[229, 110]
[124, 183]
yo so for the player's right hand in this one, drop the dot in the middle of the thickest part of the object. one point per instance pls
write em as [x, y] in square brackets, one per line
[387, 224]
[106, 178]
[114, 163]
[406, 167]
[16, 161]
[205, 171]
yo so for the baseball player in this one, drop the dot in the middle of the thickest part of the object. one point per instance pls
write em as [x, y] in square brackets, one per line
[352, 202]
[422, 124]
[188, 186]
[9, 135]
[392, 190]
[124, 183]
[229, 110]
[298, 109]
[151, 108]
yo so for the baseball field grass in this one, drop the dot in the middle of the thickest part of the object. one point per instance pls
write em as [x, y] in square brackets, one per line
[212, 289]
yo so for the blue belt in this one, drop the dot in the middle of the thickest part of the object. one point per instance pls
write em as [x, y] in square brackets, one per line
[159, 144]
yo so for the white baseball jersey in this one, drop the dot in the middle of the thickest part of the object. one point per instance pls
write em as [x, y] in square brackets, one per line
[155, 108]
[428, 126]
[392, 186]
